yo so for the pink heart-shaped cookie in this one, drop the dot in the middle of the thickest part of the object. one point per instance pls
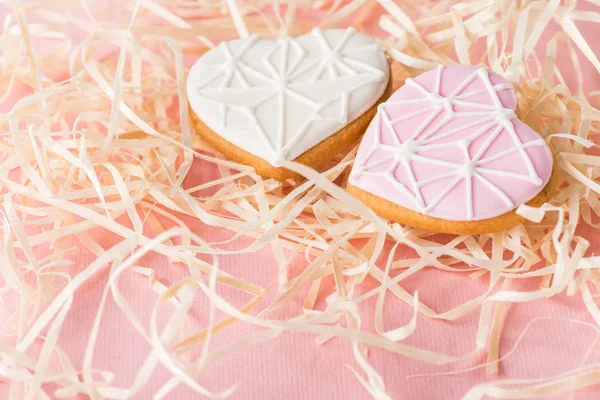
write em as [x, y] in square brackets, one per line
[448, 145]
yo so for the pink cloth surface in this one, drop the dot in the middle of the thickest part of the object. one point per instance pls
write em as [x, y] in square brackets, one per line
[292, 366]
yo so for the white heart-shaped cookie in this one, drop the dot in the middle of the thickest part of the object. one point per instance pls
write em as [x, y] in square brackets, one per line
[278, 98]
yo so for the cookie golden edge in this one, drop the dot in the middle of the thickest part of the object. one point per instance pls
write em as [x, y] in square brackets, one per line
[311, 158]
[415, 219]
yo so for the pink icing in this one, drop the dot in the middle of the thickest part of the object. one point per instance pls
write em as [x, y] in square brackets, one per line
[447, 144]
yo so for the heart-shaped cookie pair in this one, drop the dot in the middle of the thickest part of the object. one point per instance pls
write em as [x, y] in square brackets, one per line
[446, 153]
[260, 101]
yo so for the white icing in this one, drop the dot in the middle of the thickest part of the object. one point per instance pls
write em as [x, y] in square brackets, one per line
[278, 98]
[494, 117]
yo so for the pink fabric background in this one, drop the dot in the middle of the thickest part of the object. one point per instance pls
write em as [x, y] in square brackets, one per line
[293, 367]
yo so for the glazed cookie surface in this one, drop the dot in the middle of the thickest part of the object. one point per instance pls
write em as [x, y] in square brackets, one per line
[260, 101]
[447, 153]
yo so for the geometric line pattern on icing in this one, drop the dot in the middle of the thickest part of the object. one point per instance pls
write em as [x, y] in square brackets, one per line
[464, 138]
[278, 98]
